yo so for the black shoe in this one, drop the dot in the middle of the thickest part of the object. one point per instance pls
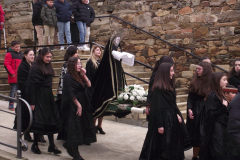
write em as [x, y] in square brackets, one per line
[41, 139]
[35, 149]
[78, 158]
[87, 143]
[76, 154]
[69, 149]
[100, 130]
[54, 150]
[28, 137]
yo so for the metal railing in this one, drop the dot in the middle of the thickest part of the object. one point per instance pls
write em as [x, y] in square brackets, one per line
[113, 16]
[19, 146]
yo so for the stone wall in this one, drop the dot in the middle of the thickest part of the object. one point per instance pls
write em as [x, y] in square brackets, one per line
[204, 28]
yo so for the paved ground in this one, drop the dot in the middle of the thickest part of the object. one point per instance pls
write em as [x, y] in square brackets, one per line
[122, 142]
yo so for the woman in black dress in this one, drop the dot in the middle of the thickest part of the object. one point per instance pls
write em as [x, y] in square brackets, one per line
[72, 51]
[233, 77]
[40, 97]
[215, 135]
[23, 72]
[91, 68]
[76, 104]
[167, 136]
[163, 59]
[198, 90]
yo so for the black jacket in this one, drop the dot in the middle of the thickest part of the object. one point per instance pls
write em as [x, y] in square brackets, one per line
[79, 10]
[36, 17]
[63, 11]
[90, 15]
[234, 80]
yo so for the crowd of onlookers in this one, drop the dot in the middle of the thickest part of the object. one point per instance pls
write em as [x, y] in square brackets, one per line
[60, 16]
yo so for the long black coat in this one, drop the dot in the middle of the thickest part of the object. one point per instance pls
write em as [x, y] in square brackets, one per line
[234, 126]
[23, 72]
[39, 93]
[196, 103]
[36, 17]
[172, 143]
[215, 141]
[80, 129]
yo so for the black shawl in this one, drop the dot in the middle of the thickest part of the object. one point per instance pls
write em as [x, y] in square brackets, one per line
[196, 103]
[234, 80]
[23, 72]
[39, 93]
[80, 129]
[108, 80]
[215, 136]
[175, 140]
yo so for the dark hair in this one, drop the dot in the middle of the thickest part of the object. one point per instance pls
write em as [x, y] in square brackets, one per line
[215, 83]
[204, 57]
[45, 68]
[13, 43]
[162, 79]
[25, 53]
[163, 59]
[49, 0]
[71, 68]
[233, 71]
[202, 84]
[70, 52]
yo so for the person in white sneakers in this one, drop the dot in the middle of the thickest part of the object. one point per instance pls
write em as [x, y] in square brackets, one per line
[90, 19]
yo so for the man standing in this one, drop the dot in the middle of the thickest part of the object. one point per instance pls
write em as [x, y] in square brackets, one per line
[12, 60]
[64, 13]
[90, 19]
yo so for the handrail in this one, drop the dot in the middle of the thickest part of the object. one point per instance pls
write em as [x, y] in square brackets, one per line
[19, 147]
[158, 38]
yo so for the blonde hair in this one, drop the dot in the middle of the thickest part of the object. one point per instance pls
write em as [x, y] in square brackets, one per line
[93, 57]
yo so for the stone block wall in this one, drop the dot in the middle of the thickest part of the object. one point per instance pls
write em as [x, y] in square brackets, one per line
[203, 27]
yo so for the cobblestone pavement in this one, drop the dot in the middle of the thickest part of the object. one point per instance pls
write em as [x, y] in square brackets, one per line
[121, 142]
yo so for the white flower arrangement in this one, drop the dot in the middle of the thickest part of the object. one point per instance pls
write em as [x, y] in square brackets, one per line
[133, 94]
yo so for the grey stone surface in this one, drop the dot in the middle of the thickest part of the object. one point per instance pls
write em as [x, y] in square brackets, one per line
[121, 142]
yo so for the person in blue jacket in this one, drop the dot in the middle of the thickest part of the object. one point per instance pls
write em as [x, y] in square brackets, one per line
[64, 13]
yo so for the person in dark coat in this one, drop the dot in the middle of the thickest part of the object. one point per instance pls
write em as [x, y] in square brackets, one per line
[37, 20]
[90, 19]
[11, 62]
[215, 136]
[166, 59]
[91, 68]
[64, 13]
[198, 90]
[234, 127]
[75, 103]
[23, 72]
[167, 136]
[234, 74]
[79, 10]
[72, 51]
[40, 97]
[229, 92]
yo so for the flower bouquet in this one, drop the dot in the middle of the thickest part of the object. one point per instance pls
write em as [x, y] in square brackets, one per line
[133, 94]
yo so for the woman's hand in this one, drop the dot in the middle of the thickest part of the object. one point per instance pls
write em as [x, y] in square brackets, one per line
[83, 71]
[161, 130]
[147, 110]
[32, 107]
[79, 111]
[179, 119]
[190, 114]
[225, 103]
